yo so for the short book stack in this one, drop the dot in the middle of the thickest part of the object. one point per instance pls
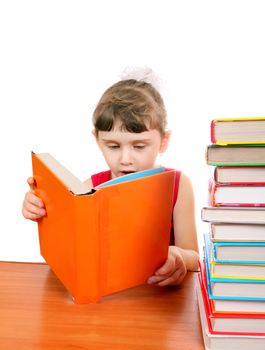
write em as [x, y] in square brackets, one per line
[231, 281]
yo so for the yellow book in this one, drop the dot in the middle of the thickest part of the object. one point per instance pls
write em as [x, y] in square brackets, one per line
[234, 131]
[237, 271]
[233, 270]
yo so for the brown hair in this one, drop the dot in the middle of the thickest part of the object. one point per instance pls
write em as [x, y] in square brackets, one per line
[136, 104]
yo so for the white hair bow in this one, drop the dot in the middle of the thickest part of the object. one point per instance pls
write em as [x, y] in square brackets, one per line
[145, 74]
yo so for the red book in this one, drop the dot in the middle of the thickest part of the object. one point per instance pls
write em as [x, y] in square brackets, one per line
[240, 175]
[227, 323]
[216, 340]
[233, 195]
[220, 305]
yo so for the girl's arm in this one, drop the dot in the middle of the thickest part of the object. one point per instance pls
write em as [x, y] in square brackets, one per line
[184, 255]
[184, 224]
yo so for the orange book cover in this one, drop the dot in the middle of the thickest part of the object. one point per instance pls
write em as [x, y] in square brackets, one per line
[106, 240]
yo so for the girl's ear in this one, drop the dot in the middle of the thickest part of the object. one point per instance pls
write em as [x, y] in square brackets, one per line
[95, 134]
[165, 141]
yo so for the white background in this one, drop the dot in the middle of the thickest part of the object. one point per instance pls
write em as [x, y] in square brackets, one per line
[57, 58]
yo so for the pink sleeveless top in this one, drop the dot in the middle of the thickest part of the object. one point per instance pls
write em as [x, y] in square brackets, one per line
[104, 176]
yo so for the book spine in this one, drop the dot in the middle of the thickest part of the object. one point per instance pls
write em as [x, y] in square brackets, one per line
[212, 127]
[87, 249]
[216, 174]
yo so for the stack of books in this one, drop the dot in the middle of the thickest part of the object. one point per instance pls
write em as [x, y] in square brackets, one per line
[231, 281]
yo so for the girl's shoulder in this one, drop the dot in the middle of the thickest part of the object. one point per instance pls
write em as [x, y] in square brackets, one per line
[178, 175]
[100, 178]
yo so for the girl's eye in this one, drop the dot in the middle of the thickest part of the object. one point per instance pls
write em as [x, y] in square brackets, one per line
[113, 146]
[139, 146]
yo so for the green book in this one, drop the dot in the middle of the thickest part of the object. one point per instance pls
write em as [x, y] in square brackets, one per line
[236, 155]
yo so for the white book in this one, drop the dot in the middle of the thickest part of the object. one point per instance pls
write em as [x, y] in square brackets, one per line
[248, 252]
[232, 270]
[237, 215]
[238, 195]
[225, 232]
[239, 174]
[238, 130]
[230, 322]
[224, 270]
[236, 289]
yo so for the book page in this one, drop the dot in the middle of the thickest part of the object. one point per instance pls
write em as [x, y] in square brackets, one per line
[71, 181]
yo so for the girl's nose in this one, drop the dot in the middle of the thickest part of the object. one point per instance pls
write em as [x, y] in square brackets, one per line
[126, 158]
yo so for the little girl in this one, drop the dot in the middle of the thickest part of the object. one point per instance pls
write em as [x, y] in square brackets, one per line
[130, 130]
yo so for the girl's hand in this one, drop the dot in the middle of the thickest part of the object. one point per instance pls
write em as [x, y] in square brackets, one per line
[33, 207]
[172, 272]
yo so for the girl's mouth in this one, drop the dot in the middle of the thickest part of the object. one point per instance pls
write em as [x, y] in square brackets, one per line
[126, 172]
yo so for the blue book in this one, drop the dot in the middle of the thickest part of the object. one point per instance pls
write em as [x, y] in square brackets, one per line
[234, 289]
[133, 176]
[239, 252]
[231, 288]
[231, 270]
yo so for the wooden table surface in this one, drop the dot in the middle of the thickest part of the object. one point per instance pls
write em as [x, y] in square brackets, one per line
[36, 312]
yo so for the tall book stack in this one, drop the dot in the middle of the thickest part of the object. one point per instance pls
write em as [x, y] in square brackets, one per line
[231, 282]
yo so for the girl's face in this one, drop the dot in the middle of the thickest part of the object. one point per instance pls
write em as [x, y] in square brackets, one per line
[126, 152]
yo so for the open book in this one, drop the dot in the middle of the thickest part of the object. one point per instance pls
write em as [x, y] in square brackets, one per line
[108, 239]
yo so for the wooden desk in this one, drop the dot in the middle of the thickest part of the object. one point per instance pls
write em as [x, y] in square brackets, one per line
[36, 312]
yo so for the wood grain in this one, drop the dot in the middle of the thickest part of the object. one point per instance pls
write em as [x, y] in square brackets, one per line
[36, 312]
